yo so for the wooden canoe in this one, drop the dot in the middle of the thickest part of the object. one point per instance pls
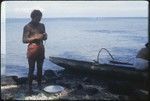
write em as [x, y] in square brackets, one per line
[104, 69]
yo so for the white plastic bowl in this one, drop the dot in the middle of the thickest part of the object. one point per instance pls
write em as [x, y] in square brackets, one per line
[53, 89]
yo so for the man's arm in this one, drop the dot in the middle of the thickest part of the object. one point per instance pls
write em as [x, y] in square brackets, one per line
[26, 33]
[45, 34]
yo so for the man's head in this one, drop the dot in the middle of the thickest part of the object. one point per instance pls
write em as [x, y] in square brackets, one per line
[36, 15]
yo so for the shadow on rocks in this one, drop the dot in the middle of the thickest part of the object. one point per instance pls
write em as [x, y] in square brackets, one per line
[50, 76]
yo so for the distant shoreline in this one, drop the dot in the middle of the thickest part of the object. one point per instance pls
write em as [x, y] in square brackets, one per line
[87, 18]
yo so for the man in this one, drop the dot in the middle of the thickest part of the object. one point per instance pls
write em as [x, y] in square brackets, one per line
[144, 52]
[143, 58]
[33, 35]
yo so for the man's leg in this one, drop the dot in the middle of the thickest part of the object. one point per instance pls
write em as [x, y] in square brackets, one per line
[31, 73]
[39, 72]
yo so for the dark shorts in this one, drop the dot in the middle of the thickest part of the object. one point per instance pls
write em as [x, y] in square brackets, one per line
[35, 51]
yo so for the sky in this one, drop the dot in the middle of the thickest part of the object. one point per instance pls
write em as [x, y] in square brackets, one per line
[22, 9]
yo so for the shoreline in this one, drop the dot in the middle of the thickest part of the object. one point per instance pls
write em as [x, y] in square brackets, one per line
[77, 87]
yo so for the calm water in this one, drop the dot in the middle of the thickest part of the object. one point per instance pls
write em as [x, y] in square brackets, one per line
[78, 38]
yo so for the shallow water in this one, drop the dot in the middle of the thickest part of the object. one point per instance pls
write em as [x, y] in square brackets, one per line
[78, 38]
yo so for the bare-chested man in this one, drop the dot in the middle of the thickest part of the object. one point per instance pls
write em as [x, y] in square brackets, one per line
[33, 35]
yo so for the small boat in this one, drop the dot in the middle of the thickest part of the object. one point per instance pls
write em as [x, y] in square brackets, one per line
[119, 70]
[113, 69]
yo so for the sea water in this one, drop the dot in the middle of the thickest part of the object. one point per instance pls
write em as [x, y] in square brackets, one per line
[77, 38]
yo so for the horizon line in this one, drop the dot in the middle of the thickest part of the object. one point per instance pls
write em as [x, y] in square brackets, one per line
[87, 17]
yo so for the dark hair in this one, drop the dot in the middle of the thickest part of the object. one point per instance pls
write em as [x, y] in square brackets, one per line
[35, 13]
[147, 44]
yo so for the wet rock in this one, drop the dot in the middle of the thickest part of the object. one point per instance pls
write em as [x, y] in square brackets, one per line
[50, 76]
[9, 80]
[22, 80]
[67, 85]
[143, 92]
[120, 88]
[86, 79]
[7, 97]
[64, 84]
[91, 90]
[79, 86]
[140, 95]
[61, 72]
[58, 82]
[49, 73]
[8, 92]
[123, 98]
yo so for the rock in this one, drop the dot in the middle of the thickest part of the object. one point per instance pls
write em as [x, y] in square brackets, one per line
[143, 92]
[91, 90]
[123, 98]
[8, 92]
[65, 84]
[79, 86]
[61, 72]
[9, 80]
[7, 97]
[120, 88]
[86, 79]
[140, 95]
[49, 73]
[22, 80]
[50, 76]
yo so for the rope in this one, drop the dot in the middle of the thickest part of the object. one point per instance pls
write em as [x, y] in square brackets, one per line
[113, 60]
[106, 51]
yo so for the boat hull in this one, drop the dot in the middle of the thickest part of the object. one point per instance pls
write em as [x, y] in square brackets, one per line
[102, 69]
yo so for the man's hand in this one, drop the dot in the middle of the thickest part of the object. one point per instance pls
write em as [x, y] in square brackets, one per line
[44, 36]
[36, 37]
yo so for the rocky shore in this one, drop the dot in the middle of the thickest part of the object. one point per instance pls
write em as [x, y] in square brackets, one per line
[78, 86]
